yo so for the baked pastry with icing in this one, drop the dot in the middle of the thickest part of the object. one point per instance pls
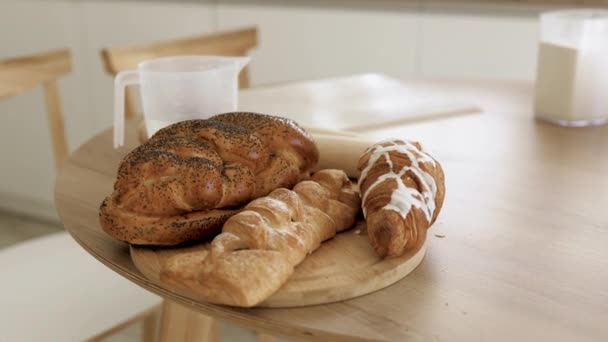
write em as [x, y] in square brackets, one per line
[186, 180]
[402, 188]
[260, 246]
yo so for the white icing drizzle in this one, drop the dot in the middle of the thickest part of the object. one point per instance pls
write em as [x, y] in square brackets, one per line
[402, 198]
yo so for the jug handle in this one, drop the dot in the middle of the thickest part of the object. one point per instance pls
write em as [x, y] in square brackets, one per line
[121, 81]
[242, 62]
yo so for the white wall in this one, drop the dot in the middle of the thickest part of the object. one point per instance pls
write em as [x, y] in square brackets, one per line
[467, 45]
[296, 42]
[307, 42]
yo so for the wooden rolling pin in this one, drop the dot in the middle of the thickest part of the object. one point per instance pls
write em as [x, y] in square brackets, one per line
[341, 152]
[329, 131]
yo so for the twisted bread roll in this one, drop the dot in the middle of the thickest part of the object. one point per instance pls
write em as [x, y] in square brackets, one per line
[186, 180]
[402, 189]
[260, 246]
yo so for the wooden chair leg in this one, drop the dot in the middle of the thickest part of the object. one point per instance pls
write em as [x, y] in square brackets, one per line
[178, 323]
[56, 125]
[150, 327]
[139, 318]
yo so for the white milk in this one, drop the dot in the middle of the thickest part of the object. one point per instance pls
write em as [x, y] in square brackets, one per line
[572, 70]
[555, 78]
[153, 126]
[569, 84]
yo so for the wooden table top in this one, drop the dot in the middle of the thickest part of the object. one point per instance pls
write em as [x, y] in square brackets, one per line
[519, 252]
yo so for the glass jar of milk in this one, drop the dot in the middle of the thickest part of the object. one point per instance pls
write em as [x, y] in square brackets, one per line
[572, 68]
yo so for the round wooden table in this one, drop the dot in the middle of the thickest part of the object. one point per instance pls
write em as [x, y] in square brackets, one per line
[519, 252]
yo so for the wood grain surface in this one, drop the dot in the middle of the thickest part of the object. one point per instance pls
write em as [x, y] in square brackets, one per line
[518, 253]
[472, 4]
[342, 268]
[540, 2]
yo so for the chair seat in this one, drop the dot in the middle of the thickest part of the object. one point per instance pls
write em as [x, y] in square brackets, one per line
[53, 290]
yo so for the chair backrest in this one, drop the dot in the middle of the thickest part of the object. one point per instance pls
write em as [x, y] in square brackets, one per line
[229, 43]
[20, 74]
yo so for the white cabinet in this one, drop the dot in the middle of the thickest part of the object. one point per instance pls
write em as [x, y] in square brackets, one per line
[465, 45]
[312, 42]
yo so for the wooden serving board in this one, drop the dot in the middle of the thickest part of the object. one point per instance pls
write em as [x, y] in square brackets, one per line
[342, 268]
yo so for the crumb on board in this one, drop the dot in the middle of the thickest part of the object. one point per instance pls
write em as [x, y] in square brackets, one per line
[441, 236]
[358, 231]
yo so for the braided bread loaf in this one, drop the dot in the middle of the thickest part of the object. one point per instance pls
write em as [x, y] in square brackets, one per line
[402, 189]
[186, 180]
[260, 246]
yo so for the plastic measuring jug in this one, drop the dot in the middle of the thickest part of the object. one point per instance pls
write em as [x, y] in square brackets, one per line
[178, 88]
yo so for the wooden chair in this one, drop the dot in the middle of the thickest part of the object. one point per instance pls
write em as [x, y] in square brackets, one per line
[40, 298]
[18, 75]
[178, 320]
[231, 43]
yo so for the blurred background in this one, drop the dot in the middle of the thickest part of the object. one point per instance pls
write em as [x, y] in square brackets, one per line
[297, 40]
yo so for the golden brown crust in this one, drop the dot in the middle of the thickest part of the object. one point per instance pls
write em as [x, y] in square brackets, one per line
[403, 189]
[274, 130]
[259, 247]
[189, 177]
